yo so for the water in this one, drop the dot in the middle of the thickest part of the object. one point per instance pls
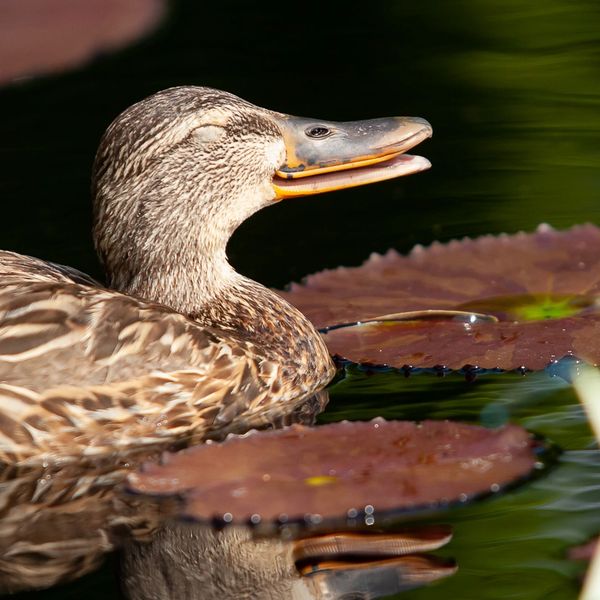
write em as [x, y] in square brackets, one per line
[511, 546]
[512, 90]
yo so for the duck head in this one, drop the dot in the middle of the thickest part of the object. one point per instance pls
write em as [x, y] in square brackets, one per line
[177, 173]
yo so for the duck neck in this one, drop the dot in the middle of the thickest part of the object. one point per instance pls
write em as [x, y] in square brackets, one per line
[191, 274]
[187, 274]
[182, 263]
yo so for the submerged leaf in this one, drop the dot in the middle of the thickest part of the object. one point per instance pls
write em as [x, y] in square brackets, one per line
[543, 288]
[322, 474]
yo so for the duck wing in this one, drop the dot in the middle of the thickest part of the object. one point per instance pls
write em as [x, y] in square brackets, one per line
[87, 372]
[17, 268]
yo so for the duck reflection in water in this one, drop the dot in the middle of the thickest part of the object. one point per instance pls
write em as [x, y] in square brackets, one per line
[199, 563]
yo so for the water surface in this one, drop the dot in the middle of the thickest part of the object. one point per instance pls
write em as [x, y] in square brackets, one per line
[512, 89]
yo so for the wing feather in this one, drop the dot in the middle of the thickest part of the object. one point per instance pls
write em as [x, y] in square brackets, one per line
[89, 372]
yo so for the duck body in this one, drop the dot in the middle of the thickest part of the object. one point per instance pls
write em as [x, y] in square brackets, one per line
[179, 347]
[146, 379]
[144, 376]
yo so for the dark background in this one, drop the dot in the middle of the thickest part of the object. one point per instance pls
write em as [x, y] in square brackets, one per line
[512, 93]
[511, 87]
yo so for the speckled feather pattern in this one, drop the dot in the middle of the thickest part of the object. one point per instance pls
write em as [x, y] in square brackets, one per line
[180, 348]
[113, 373]
[117, 380]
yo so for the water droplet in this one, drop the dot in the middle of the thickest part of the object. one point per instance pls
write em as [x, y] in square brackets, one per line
[238, 492]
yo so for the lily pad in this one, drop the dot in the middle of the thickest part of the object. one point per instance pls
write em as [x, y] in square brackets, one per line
[345, 471]
[540, 291]
[47, 36]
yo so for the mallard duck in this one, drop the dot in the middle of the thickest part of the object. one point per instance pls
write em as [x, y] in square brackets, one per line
[178, 346]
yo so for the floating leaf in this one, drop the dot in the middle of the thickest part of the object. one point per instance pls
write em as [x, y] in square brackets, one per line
[543, 288]
[340, 471]
[46, 36]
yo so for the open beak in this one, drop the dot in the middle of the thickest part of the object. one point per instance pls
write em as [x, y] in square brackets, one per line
[323, 156]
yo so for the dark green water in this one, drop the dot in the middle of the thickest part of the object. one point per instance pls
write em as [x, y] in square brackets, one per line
[512, 89]
[513, 545]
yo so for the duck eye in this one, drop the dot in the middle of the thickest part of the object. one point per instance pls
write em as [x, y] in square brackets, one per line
[207, 134]
[318, 131]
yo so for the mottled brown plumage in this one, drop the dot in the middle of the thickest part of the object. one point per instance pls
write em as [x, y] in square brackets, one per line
[179, 347]
[91, 371]
[94, 379]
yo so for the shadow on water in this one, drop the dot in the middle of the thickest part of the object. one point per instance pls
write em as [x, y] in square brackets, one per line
[513, 92]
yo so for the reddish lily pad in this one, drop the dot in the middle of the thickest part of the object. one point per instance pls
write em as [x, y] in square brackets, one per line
[543, 289]
[345, 470]
[47, 36]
